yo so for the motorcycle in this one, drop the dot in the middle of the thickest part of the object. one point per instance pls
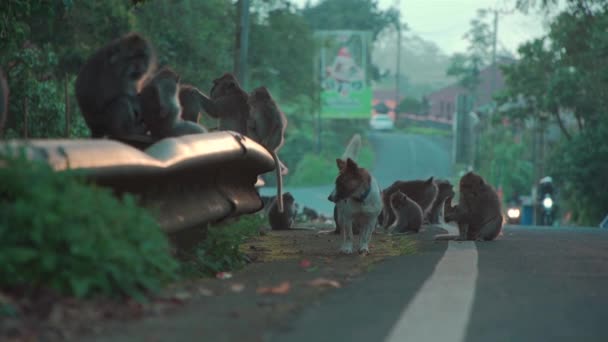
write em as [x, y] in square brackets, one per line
[513, 213]
[547, 210]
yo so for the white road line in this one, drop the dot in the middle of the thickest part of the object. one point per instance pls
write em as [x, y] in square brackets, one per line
[441, 309]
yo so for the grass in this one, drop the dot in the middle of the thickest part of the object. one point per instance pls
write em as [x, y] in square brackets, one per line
[277, 246]
[313, 169]
[426, 131]
[220, 251]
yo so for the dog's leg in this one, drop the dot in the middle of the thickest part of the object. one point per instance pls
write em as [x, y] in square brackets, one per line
[347, 233]
[366, 234]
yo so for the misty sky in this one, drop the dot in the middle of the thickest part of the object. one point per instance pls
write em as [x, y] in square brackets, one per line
[445, 21]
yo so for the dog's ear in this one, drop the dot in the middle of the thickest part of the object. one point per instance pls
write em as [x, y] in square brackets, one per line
[341, 164]
[351, 164]
[430, 180]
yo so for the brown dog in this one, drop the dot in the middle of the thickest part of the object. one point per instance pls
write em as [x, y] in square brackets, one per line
[358, 203]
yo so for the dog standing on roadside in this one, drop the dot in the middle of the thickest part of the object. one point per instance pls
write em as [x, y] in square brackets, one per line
[358, 203]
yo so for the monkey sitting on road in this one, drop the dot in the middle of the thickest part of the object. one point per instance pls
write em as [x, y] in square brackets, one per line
[283, 220]
[478, 212]
[3, 100]
[423, 192]
[266, 126]
[408, 214]
[108, 83]
[437, 212]
[228, 103]
[161, 109]
[191, 99]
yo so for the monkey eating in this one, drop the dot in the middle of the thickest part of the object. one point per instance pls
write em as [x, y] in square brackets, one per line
[108, 83]
[160, 108]
[228, 102]
[282, 220]
[3, 100]
[408, 214]
[266, 126]
[478, 213]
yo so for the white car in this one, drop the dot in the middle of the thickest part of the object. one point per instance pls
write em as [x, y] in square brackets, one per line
[381, 122]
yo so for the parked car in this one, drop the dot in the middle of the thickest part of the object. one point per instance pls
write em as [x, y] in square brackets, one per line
[381, 122]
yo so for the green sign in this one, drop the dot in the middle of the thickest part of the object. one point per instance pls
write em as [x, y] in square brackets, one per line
[345, 88]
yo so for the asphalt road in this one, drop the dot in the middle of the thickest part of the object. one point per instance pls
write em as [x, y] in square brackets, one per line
[398, 156]
[531, 285]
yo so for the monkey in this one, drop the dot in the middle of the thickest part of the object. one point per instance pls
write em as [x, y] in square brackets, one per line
[282, 220]
[191, 100]
[160, 106]
[423, 192]
[310, 214]
[3, 100]
[478, 213]
[266, 126]
[108, 83]
[445, 191]
[229, 103]
[408, 214]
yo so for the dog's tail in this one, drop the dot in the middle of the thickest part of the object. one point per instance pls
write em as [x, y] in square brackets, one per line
[353, 148]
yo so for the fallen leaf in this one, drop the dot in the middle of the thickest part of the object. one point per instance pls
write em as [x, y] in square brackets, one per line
[223, 275]
[237, 287]
[182, 296]
[282, 288]
[320, 282]
[205, 292]
[305, 263]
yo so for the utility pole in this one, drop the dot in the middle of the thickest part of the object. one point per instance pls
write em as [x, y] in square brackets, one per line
[242, 42]
[398, 72]
[494, 42]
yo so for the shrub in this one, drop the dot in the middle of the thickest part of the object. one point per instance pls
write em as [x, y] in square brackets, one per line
[56, 231]
[220, 251]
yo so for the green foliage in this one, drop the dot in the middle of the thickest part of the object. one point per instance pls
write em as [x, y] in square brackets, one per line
[220, 252]
[410, 105]
[412, 129]
[579, 169]
[350, 15]
[467, 66]
[42, 44]
[199, 50]
[43, 96]
[503, 158]
[314, 170]
[562, 78]
[58, 232]
[281, 51]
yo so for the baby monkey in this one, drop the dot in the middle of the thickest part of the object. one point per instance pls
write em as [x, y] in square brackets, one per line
[161, 109]
[408, 214]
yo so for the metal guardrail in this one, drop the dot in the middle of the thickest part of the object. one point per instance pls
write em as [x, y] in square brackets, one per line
[185, 181]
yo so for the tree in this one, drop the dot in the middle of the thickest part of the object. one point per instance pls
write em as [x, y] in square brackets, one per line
[467, 66]
[410, 105]
[350, 15]
[199, 50]
[281, 51]
[563, 77]
[361, 15]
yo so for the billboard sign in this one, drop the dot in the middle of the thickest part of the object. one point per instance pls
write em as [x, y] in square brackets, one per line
[346, 92]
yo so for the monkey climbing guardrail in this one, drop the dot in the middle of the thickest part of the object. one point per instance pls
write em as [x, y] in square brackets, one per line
[185, 181]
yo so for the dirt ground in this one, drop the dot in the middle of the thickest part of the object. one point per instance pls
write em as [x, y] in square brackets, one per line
[289, 270]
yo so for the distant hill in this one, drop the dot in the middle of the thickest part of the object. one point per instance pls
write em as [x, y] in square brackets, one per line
[423, 64]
